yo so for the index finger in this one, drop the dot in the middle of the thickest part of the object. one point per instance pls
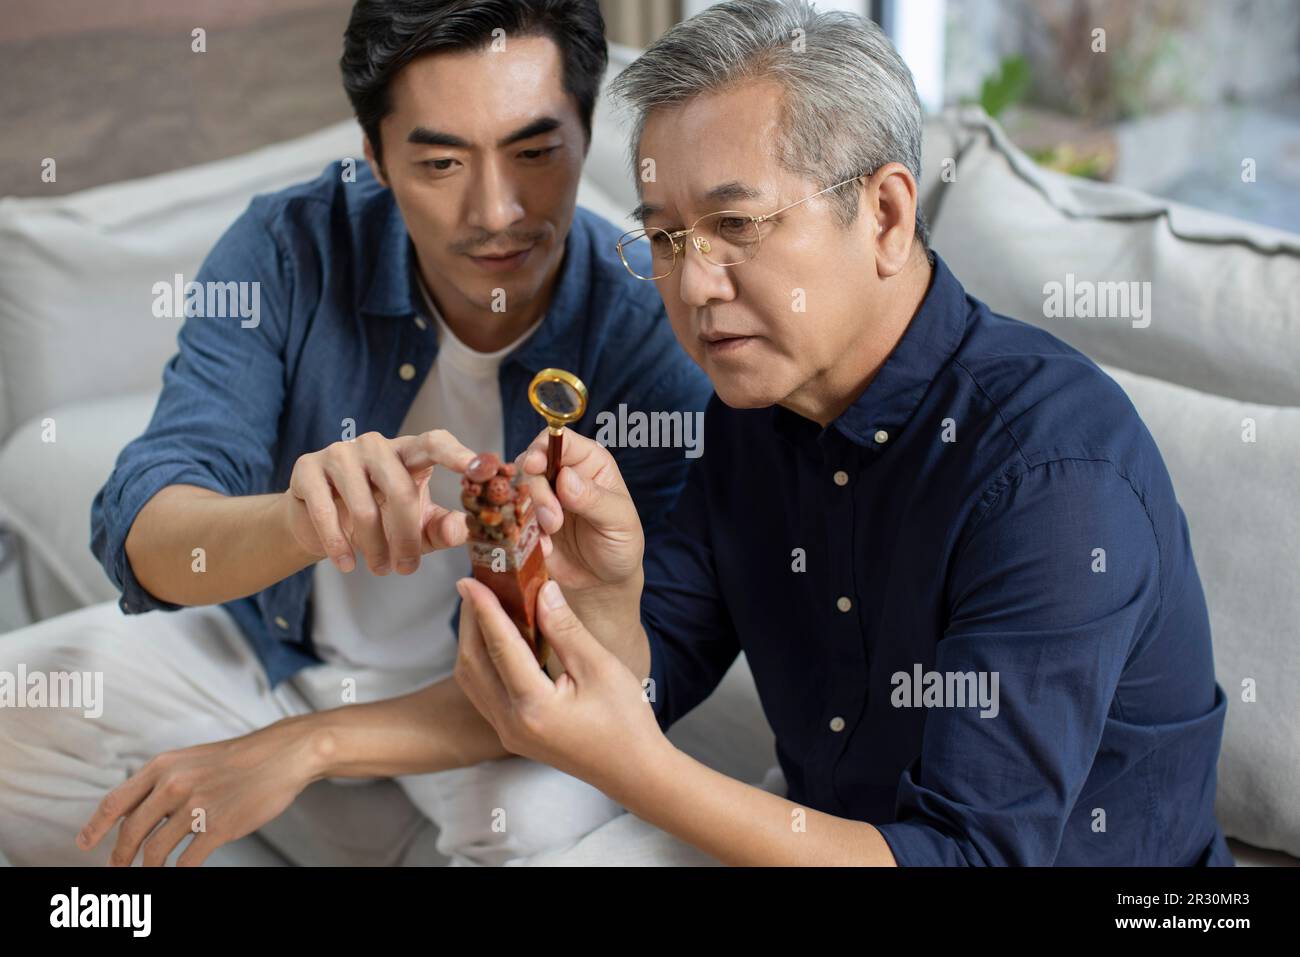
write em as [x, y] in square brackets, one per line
[585, 455]
[437, 447]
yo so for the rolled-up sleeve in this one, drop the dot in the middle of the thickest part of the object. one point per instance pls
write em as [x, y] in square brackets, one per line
[216, 421]
[1057, 580]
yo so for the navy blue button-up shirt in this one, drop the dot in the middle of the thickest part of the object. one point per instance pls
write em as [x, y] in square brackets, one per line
[241, 401]
[969, 604]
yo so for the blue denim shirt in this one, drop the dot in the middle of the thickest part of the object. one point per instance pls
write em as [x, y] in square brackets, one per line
[951, 522]
[340, 314]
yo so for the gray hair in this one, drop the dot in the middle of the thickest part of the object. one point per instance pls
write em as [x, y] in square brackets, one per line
[850, 102]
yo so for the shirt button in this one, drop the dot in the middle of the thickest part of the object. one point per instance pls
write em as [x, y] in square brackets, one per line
[837, 723]
[843, 604]
[841, 477]
[406, 371]
[420, 323]
[281, 623]
[881, 437]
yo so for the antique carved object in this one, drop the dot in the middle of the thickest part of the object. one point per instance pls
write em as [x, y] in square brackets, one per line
[504, 537]
[505, 542]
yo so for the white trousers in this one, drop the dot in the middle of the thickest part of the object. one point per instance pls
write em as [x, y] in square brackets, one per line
[176, 679]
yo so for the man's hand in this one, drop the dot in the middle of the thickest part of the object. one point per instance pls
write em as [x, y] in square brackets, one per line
[590, 520]
[372, 493]
[238, 785]
[593, 722]
[592, 541]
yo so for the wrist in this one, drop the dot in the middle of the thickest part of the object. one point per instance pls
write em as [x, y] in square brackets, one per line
[282, 514]
[650, 763]
[313, 747]
[615, 605]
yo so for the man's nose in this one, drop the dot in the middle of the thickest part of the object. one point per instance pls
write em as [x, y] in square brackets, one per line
[494, 204]
[701, 282]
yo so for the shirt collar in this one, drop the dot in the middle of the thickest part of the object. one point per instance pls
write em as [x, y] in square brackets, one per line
[879, 415]
[394, 291]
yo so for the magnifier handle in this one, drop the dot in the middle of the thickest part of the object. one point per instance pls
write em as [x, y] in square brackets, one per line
[554, 455]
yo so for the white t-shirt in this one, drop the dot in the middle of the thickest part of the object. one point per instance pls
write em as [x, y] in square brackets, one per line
[394, 621]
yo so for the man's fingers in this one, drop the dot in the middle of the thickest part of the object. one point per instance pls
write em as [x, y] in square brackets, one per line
[532, 460]
[197, 851]
[550, 514]
[160, 844]
[437, 447]
[531, 463]
[314, 491]
[444, 529]
[474, 672]
[349, 478]
[506, 649]
[606, 511]
[577, 649]
[403, 510]
[586, 458]
[122, 800]
[139, 824]
[586, 455]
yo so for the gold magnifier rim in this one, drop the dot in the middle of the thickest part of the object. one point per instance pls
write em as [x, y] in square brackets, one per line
[557, 420]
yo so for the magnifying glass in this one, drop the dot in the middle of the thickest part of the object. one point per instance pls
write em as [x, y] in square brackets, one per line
[560, 398]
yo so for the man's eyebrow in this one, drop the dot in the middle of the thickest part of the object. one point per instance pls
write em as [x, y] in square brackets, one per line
[722, 193]
[427, 137]
[543, 124]
[644, 211]
[728, 192]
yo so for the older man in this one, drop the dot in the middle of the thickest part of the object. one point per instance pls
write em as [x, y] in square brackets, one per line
[944, 540]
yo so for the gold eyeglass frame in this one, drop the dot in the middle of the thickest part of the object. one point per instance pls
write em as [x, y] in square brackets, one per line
[701, 244]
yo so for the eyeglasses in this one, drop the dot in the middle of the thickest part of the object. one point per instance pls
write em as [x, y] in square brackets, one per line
[726, 238]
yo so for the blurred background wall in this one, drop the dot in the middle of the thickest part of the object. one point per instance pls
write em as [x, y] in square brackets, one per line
[1183, 90]
[115, 91]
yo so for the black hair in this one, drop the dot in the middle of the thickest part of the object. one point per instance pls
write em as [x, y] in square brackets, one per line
[383, 36]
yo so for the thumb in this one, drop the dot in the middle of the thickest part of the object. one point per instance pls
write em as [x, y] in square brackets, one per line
[429, 449]
[443, 528]
[579, 652]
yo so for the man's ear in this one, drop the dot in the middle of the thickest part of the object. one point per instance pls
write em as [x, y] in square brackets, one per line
[892, 204]
[375, 166]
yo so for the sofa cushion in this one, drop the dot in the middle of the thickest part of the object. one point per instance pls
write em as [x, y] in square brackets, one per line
[1243, 508]
[1224, 294]
[77, 271]
[46, 487]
